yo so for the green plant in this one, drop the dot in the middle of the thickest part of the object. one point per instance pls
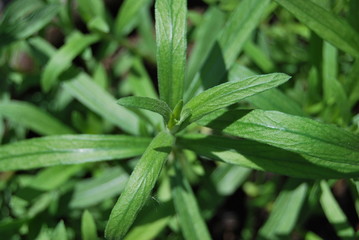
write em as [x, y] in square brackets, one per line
[199, 114]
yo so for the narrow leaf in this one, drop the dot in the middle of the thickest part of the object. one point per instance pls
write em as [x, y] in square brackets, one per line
[192, 224]
[53, 177]
[171, 48]
[272, 99]
[106, 185]
[139, 186]
[334, 213]
[127, 16]
[222, 182]
[226, 94]
[333, 91]
[151, 222]
[62, 59]
[89, 9]
[150, 104]
[23, 18]
[140, 81]
[321, 144]
[239, 27]
[88, 227]
[60, 232]
[287, 207]
[327, 25]
[205, 37]
[258, 57]
[33, 118]
[69, 149]
[101, 102]
[255, 155]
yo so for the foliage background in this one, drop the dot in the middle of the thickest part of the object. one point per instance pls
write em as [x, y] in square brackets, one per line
[62, 64]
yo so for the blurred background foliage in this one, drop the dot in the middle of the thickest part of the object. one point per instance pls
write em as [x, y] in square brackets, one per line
[45, 45]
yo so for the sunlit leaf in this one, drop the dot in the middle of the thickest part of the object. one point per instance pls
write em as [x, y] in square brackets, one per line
[226, 94]
[69, 149]
[139, 186]
[171, 48]
[146, 103]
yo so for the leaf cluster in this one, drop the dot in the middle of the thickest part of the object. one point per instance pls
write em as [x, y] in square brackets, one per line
[128, 162]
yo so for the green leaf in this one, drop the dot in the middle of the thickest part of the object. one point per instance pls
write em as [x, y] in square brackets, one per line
[127, 16]
[23, 18]
[53, 177]
[333, 91]
[98, 24]
[33, 118]
[93, 13]
[272, 99]
[321, 144]
[287, 207]
[327, 25]
[254, 155]
[150, 104]
[69, 149]
[9, 228]
[334, 213]
[147, 42]
[205, 36]
[88, 227]
[151, 222]
[139, 186]
[226, 94]
[62, 59]
[140, 82]
[89, 9]
[222, 182]
[353, 88]
[239, 27]
[90, 192]
[258, 57]
[192, 224]
[101, 102]
[171, 48]
[60, 232]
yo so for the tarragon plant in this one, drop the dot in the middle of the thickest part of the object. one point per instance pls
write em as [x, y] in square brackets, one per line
[198, 115]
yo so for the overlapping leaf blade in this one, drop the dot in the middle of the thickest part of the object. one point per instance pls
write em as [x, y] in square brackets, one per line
[62, 59]
[335, 214]
[69, 149]
[257, 156]
[192, 224]
[206, 35]
[33, 117]
[139, 186]
[153, 220]
[327, 25]
[240, 25]
[89, 192]
[272, 99]
[171, 48]
[321, 144]
[23, 18]
[222, 182]
[101, 102]
[226, 94]
[127, 16]
[285, 213]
